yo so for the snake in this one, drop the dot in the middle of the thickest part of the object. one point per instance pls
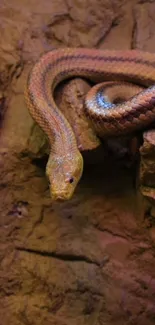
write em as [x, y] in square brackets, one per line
[109, 119]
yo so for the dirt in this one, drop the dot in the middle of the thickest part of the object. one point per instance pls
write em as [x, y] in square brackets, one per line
[91, 260]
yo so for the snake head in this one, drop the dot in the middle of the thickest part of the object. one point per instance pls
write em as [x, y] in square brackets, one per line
[64, 172]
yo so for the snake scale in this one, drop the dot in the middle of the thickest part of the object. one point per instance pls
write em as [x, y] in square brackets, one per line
[65, 164]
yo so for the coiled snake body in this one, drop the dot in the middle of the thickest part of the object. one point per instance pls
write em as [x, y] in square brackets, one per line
[65, 164]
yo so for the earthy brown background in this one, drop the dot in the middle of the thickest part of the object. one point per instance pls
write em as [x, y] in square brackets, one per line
[89, 261]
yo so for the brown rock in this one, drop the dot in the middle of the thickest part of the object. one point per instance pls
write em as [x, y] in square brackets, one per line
[147, 166]
[70, 100]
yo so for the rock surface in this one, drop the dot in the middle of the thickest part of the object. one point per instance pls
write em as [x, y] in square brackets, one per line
[88, 261]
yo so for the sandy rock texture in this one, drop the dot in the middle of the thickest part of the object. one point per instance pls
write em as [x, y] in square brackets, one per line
[91, 260]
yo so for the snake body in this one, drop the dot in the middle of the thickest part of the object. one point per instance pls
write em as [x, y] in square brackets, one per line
[65, 164]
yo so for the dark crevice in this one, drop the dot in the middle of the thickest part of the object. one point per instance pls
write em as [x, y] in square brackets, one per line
[63, 257]
[134, 30]
[114, 234]
[40, 162]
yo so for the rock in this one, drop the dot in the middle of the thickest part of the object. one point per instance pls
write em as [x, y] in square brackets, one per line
[147, 165]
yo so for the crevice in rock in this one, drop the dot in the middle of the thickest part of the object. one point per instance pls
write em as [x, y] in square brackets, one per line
[63, 257]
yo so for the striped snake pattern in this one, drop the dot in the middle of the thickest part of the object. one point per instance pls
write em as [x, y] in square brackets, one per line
[65, 164]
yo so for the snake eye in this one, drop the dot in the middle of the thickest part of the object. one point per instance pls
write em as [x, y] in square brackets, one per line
[71, 180]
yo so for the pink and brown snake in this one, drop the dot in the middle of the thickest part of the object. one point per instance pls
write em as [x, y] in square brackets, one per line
[65, 164]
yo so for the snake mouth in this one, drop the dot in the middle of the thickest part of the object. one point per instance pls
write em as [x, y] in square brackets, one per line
[60, 197]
